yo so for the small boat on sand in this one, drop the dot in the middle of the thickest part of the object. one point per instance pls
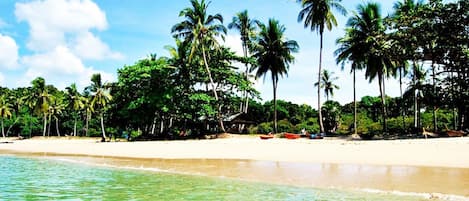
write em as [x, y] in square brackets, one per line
[291, 136]
[316, 136]
[454, 133]
[266, 137]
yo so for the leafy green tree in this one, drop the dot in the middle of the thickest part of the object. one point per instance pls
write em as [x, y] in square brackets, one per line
[5, 111]
[317, 15]
[327, 83]
[247, 28]
[39, 99]
[101, 97]
[201, 30]
[274, 54]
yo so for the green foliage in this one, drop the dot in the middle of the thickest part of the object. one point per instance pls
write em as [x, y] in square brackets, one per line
[331, 116]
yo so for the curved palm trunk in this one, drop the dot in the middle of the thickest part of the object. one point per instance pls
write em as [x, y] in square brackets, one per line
[75, 127]
[220, 119]
[435, 127]
[274, 83]
[45, 125]
[414, 80]
[102, 125]
[57, 126]
[48, 126]
[354, 103]
[87, 123]
[321, 125]
[246, 105]
[383, 101]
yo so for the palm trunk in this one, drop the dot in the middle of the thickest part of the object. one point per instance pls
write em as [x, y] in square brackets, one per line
[3, 130]
[75, 127]
[383, 101]
[414, 80]
[48, 126]
[321, 125]
[354, 103]
[247, 80]
[87, 119]
[102, 125]
[220, 119]
[435, 127]
[402, 100]
[45, 123]
[57, 126]
[274, 83]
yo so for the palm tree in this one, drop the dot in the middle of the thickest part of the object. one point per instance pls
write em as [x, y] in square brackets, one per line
[317, 15]
[40, 99]
[246, 28]
[327, 83]
[5, 111]
[273, 53]
[351, 49]
[368, 31]
[201, 30]
[75, 103]
[101, 97]
[55, 110]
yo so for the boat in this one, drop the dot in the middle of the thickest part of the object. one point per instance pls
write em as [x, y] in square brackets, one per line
[428, 134]
[454, 133]
[316, 136]
[266, 137]
[291, 136]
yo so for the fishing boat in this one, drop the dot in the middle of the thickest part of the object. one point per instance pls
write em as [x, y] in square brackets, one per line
[266, 137]
[291, 136]
[454, 133]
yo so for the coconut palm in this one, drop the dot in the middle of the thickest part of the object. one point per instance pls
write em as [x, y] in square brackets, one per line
[5, 111]
[201, 30]
[100, 98]
[351, 49]
[56, 109]
[368, 30]
[75, 103]
[317, 15]
[246, 28]
[274, 54]
[39, 100]
[327, 83]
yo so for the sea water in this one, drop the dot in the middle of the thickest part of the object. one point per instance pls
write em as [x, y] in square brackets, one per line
[35, 178]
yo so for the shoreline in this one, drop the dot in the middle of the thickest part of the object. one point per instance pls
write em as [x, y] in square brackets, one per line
[277, 164]
[442, 152]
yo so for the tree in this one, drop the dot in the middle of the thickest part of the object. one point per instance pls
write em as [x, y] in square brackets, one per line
[317, 15]
[100, 98]
[5, 111]
[246, 27]
[201, 30]
[273, 53]
[75, 102]
[367, 26]
[39, 99]
[327, 83]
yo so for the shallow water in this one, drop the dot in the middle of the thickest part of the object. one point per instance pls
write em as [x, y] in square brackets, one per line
[55, 178]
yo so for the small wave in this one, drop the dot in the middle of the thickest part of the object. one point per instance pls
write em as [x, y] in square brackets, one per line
[430, 196]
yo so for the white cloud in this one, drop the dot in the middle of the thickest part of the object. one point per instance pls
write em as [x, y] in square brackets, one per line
[66, 23]
[88, 46]
[59, 67]
[234, 42]
[8, 52]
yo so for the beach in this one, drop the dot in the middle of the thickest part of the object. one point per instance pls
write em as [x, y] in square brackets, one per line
[419, 165]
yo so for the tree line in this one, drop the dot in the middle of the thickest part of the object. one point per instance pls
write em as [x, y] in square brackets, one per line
[200, 83]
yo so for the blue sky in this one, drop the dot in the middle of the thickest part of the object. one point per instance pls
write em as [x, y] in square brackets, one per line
[65, 41]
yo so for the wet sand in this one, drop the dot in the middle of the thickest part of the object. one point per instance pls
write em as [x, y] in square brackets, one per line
[421, 166]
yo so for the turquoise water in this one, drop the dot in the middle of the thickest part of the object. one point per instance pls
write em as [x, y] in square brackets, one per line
[24, 178]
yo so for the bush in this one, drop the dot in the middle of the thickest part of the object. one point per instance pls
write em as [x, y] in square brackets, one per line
[265, 127]
[309, 125]
[285, 126]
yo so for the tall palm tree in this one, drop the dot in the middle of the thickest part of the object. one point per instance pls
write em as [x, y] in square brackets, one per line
[317, 15]
[351, 49]
[246, 28]
[56, 109]
[101, 97]
[40, 100]
[368, 28]
[201, 30]
[327, 83]
[75, 103]
[5, 111]
[273, 53]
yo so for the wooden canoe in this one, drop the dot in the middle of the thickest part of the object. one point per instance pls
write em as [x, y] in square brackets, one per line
[454, 133]
[292, 136]
[265, 137]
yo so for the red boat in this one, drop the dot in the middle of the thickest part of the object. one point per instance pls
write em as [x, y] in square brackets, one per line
[265, 137]
[291, 136]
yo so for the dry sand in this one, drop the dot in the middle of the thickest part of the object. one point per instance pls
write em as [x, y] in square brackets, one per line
[432, 167]
[442, 152]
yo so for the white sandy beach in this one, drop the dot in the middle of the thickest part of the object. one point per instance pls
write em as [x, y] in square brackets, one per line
[443, 152]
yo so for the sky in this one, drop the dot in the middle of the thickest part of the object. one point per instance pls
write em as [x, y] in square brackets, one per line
[66, 41]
